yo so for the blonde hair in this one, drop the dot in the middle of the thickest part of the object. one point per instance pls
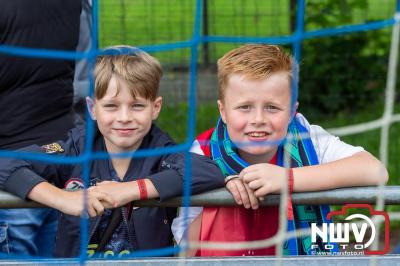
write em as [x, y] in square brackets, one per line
[140, 70]
[254, 62]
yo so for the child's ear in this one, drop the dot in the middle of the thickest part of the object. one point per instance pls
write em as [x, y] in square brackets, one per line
[157, 107]
[90, 106]
[221, 110]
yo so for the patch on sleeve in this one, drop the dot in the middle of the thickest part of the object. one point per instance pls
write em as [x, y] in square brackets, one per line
[52, 148]
[74, 184]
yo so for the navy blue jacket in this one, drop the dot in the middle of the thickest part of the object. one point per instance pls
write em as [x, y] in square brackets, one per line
[151, 226]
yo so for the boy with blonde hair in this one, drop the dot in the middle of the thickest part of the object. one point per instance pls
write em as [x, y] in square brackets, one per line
[258, 113]
[125, 104]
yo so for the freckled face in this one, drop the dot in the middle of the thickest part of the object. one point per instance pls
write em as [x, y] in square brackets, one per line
[257, 112]
[123, 120]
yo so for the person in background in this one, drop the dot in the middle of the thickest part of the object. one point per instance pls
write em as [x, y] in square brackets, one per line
[81, 77]
[36, 96]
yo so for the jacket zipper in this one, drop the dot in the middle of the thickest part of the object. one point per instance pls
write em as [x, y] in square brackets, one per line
[133, 243]
[94, 228]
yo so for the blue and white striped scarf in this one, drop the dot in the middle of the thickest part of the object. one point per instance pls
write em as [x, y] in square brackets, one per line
[302, 153]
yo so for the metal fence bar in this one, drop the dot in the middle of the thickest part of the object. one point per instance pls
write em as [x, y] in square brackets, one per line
[288, 260]
[221, 197]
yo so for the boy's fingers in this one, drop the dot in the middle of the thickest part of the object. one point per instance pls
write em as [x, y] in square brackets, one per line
[234, 191]
[254, 185]
[252, 198]
[98, 207]
[261, 192]
[106, 199]
[243, 193]
[250, 176]
[248, 169]
[91, 211]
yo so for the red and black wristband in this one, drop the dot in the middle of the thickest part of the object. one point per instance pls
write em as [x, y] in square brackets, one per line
[142, 189]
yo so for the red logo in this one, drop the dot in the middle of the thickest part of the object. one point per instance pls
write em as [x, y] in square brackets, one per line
[356, 224]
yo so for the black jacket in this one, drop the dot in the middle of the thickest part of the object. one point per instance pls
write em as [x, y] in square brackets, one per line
[151, 226]
[36, 93]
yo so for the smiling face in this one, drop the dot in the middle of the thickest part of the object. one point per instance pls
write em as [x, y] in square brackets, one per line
[123, 120]
[256, 112]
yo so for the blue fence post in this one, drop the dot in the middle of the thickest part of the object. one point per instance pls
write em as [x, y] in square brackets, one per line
[196, 39]
[91, 57]
[296, 45]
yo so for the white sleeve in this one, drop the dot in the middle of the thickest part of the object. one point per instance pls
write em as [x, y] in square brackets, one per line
[181, 222]
[327, 146]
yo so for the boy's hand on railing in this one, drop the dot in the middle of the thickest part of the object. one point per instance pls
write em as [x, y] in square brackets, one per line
[72, 202]
[264, 178]
[121, 192]
[126, 192]
[242, 193]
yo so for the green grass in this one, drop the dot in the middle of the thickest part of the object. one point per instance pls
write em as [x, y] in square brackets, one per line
[149, 22]
[174, 119]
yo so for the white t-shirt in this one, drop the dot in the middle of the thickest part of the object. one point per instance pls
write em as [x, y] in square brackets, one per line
[328, 148]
